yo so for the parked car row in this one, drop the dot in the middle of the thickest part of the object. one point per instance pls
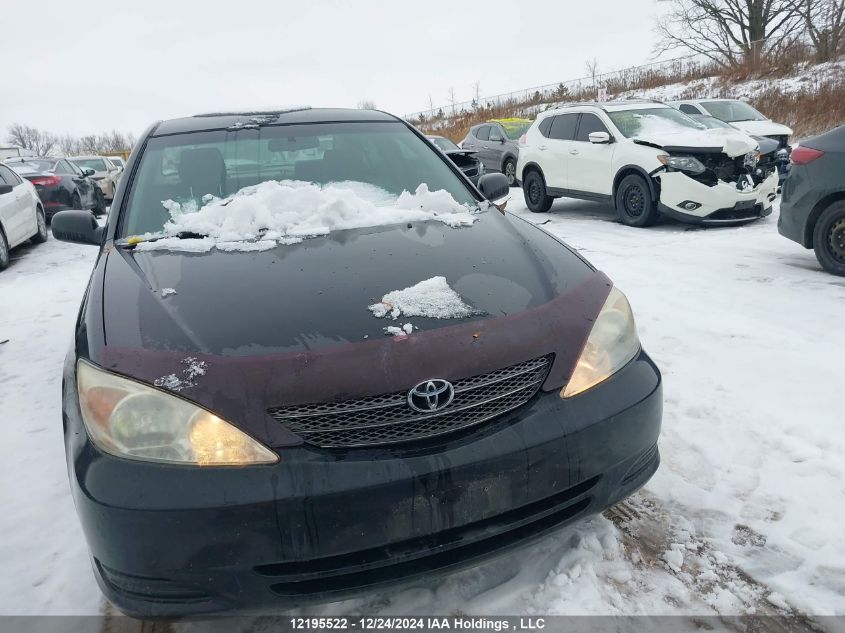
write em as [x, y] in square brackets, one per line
[705, 161]
[33, 190]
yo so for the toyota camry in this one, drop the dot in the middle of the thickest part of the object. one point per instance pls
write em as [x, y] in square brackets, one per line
[313, 360]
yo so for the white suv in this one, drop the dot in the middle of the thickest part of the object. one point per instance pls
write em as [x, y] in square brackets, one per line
[648, 159]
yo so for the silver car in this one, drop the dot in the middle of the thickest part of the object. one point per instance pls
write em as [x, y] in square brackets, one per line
[106, 173]
[497, 144]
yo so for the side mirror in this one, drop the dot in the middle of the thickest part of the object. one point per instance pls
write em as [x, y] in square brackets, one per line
[599, 137]
[79, 227]
[493, 186]
[5, 189]
[88, 172]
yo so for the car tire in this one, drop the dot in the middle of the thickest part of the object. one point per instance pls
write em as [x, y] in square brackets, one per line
[4, 251]
[634, 203]
[536, 197]
[41, 235]
[509, 170]
[829, 239]
[75, 201]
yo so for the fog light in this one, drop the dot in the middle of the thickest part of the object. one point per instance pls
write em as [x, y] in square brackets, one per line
[689, 205]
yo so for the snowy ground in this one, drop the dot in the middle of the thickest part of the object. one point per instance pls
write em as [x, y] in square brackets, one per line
[745, 514]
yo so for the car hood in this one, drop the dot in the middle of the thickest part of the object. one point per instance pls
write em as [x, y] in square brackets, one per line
[460, 152]
[718, 139]
[292, 325]
[316, 294]
[762, 128]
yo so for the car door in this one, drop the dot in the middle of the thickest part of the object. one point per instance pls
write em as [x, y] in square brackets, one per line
[84, 185]
[590, 164]
[497, 146]
[15, 207]
[482, 145]
[556, 149]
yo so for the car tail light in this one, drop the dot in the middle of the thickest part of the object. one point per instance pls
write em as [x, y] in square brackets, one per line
[46, 181]
[805, 155]
[522, 140]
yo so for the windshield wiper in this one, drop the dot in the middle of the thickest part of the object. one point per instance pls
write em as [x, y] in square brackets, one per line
[132, 241]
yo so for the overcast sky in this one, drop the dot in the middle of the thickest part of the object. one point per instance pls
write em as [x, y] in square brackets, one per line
[87, 67]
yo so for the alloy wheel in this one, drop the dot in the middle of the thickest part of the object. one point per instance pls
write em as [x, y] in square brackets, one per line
[510, 172]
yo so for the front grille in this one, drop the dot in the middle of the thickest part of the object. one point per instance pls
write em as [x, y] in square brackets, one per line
[388, 419]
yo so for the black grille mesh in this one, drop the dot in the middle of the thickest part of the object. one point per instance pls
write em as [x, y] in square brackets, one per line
[387, 418]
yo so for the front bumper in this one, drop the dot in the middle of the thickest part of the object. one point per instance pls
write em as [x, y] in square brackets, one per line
[322, 525]
[721, 204]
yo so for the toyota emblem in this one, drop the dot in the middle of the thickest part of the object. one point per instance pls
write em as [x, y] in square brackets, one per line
[431, 395]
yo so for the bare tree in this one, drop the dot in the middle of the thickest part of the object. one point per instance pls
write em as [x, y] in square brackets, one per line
[366, 104]
[592, 66]
[69, 145]
[824, 21]
[730, 32]
[28, 137]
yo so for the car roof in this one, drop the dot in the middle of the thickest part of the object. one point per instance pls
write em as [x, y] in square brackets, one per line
[611, 106]
[85, 157]
[224, 120]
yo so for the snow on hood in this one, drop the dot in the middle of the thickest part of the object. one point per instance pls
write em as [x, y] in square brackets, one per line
[665, 133]
[260, 217]
[432, 298]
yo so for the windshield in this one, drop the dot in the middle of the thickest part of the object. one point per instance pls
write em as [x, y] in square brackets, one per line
[443, 143]
[652, 120]
[97, 164]
[733, 111]
[712, 123]
[515, 128]
[32, 165]
[195, 166]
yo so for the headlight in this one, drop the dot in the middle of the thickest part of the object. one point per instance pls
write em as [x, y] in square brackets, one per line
[133, 420]
[689, 164]
[480, 168]
[612, 344]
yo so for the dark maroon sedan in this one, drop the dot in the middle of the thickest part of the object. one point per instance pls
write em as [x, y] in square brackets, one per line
[60, 184]
[314, 360]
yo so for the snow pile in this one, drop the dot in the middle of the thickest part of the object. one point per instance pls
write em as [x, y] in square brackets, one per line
[430, 298]
[399, 331]
[262, 216]
[167, 291]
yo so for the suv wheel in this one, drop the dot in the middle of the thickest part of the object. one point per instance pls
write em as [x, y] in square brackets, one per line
[829, 239]
[634, 203]
[509, 170]
[534, 188]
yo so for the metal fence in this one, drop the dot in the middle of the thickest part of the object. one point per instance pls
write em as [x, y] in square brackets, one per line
[635, 74]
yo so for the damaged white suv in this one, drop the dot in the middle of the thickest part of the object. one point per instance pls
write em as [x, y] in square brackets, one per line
[648, 159]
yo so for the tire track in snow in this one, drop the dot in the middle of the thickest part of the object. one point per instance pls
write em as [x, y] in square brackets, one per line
[655, 538]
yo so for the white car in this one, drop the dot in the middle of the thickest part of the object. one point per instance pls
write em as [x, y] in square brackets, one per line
[21, 214]
[106, 174]
[648, 159]
[739, 114]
